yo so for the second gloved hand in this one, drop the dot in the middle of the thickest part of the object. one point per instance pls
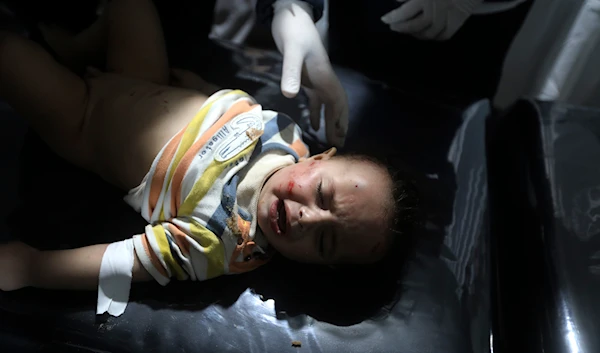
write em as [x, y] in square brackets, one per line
[305, 61]
[430, 19]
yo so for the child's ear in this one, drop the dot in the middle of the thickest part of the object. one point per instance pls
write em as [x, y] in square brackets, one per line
[329, 153]
[321, 156]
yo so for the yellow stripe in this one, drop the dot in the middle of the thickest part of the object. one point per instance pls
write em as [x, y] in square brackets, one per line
[203, 184]
[165, 251]
[214, 250]
[186, 142]
[191, 132]
[189, 136]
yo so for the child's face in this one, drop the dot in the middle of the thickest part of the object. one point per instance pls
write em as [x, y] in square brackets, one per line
[324, 210]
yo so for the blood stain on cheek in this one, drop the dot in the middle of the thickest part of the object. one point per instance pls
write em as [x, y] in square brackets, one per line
[290, 187]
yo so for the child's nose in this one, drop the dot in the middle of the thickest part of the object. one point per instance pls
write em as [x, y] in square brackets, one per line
[308, 217]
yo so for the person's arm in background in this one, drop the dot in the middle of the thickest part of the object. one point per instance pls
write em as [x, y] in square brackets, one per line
[438, 19]
[306, 62]
[430, 19]
[265, 11]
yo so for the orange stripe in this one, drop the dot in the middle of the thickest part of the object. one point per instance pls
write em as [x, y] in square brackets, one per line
[300, 148]
[160, 171]
[153, 258]
[180, 239]
[244, 227]
[236, 109]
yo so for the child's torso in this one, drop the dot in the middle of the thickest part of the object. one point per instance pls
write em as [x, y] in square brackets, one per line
[201, 192]
[129, 121]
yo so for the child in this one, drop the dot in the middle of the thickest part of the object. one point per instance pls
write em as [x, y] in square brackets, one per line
[222, 182]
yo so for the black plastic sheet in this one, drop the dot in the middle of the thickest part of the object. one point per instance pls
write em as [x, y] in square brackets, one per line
[438, 300]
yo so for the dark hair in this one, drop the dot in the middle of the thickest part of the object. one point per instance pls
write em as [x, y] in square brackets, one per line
[402, 207]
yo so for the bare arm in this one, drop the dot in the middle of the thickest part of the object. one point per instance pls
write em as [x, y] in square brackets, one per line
[74, 269]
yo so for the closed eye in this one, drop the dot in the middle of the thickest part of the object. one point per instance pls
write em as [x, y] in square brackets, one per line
[320, 194]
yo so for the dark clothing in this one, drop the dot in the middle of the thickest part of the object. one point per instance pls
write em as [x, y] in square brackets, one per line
[464, 68]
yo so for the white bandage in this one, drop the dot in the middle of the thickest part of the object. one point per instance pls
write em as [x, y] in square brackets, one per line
[116, 272]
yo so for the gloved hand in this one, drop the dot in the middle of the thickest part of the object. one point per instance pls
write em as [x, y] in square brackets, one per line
[430, 19]
[305, 60]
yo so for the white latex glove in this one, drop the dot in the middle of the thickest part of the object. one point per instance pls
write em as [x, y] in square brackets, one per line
[305, 60]
[430, 19]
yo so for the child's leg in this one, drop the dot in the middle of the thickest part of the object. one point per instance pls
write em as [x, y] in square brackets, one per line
[77, 51]
[128, 34]
[136, 46]
[51, 98]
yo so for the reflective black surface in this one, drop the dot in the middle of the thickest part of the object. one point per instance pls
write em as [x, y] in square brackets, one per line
[436, 301]
[549, 262]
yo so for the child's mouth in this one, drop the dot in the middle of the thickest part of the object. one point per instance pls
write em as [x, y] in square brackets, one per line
[278, 217]
[282, 217]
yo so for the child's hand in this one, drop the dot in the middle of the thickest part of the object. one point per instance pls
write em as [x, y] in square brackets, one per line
[187, 79]
[15, 262]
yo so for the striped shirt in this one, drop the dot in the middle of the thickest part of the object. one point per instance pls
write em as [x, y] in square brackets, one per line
[201, 193]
